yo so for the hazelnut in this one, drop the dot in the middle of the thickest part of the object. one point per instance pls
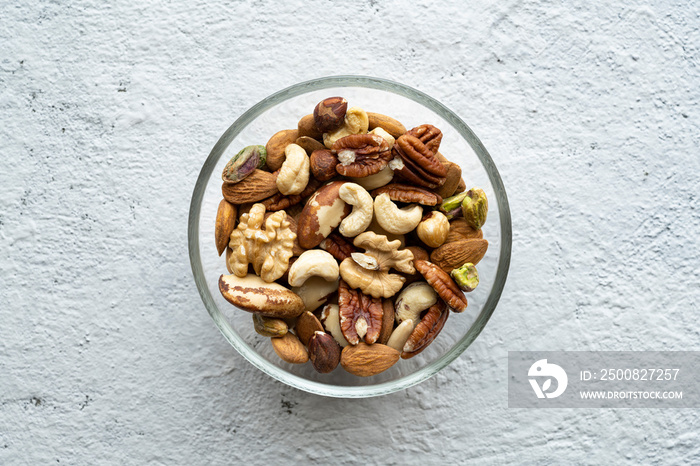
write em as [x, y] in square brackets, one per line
[433, 229]
[324, 352]
[329, 114]
[323, 164]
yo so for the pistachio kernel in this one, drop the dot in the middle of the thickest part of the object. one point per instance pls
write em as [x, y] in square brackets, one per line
[466, 277]
[452, 206]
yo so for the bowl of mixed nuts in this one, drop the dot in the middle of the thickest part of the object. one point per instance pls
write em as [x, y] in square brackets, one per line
[350, 236]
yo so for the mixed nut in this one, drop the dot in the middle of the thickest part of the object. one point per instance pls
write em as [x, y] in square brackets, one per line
[349, 239]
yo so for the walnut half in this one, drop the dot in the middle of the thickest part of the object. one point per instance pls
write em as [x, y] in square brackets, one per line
[374, 279]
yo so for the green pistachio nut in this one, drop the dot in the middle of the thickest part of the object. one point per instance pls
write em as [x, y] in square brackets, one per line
[475, 207]
[466, 277]
[269, 327]
[452, 206]
[244, 163]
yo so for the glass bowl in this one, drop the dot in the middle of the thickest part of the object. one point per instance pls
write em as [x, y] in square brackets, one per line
[283, 110]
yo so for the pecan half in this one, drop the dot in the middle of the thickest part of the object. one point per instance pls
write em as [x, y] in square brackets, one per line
[409, 194]
[427, 329]
[419, 164]
[280, 202]
[443, 284]
[361, 155]
[360, 315]
[428, 135]
[337, 246]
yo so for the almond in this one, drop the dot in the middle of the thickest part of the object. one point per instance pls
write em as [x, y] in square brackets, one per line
[307, 127]
[309, 144]
[307, 325]
[450, 256]
[225, 222]
[387, 321]
[255, 187]
[459, 230]
[290, 349]
[454, 174]
[366, 360]
[276, 145]
[461, 186]
[388, 124]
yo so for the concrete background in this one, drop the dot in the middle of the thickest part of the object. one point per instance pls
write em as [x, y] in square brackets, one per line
[107, 355]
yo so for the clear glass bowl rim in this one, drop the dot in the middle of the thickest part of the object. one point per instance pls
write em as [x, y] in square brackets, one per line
[278, 373]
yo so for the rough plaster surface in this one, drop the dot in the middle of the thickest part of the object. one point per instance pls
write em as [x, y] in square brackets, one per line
[107, 355]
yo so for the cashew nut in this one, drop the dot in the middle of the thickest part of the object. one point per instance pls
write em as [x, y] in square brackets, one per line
[315, 291]
[376, 228]
[356, 122]
[387, 137]
[310, 263]
[362, 209]
[382, 178]
[414, 299]
[294, 174]
[393, 219]
[400, 335]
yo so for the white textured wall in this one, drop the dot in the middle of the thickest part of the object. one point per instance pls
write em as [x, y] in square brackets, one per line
[107, 355]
